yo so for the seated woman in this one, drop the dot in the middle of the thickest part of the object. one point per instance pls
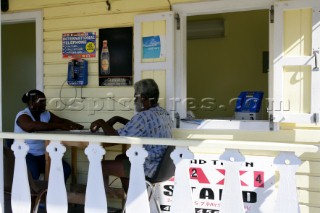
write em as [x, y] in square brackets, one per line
[35, 118]
[150, 121]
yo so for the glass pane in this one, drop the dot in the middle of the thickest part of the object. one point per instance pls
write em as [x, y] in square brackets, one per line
[297, 89]
[298, 40]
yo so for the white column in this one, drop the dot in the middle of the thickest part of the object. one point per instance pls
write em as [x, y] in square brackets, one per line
[182, 195]
[96, 201]
[287, 164]
[232, 200]
[57, 194]
[20, 197]
[137, 198]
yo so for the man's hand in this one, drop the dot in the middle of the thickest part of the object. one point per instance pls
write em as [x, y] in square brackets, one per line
[96, 125]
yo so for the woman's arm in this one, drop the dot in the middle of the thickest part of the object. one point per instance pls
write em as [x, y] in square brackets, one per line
[27, 124]
[58, 120]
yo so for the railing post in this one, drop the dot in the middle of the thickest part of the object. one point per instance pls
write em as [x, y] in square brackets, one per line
[182, 195]
[57, 200]
[232, 200]
[137, 197]
[20, 197]
[287, 164]
[95, 201]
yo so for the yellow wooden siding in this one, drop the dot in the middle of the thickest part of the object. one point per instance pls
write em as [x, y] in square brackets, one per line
[62, 16]
[297, 42]
[78, 16]
[95, 8]
[94, 101]
[116, 5]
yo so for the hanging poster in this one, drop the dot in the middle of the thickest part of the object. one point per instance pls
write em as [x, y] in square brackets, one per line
[207, 174]
[115, 58]
[153, 47]
[79, 45]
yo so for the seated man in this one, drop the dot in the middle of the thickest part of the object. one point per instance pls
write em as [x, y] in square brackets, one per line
[150, 121]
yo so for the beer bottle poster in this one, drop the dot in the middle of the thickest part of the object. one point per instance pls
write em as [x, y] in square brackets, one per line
[115, 56]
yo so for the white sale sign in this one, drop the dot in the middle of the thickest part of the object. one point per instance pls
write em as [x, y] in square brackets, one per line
[207, 180]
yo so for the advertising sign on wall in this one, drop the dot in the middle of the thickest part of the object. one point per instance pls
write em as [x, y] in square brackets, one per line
[116, 56]
[153, 47]
[79, 45]
[257, 178]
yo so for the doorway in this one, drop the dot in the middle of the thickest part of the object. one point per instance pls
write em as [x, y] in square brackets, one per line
[18, 68]
[21, 61]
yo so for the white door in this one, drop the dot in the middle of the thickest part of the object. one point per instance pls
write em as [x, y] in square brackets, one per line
[154, 53]
[295, 74]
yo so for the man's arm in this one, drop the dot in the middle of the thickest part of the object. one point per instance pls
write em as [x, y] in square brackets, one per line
[106, 127]
[116, 119]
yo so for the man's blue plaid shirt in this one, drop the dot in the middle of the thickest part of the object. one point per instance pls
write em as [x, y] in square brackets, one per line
[156, 123]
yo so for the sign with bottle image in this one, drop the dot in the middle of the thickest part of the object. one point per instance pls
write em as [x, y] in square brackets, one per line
[115, 58]
[79, 45]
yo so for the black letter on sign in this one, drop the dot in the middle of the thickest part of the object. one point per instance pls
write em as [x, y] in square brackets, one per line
[168, 190]
[206, 193]
[4, 5]
[249, 197]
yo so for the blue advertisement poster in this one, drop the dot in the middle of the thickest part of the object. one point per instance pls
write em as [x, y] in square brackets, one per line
[79, 45]
[151, 47]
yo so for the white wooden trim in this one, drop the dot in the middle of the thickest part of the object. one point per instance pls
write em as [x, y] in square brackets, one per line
[280, 60]
[167, 65]
[271, 55]
[208, 144]
[201, 8]
[37, 17]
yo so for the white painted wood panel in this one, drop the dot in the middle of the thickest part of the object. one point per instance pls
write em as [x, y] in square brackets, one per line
[96, 200]
[20, 195]
[289, 136]
[302, 57]
[144, 25]
[56, 200]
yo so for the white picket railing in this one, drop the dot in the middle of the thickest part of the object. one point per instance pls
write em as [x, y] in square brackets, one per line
[137, 198]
